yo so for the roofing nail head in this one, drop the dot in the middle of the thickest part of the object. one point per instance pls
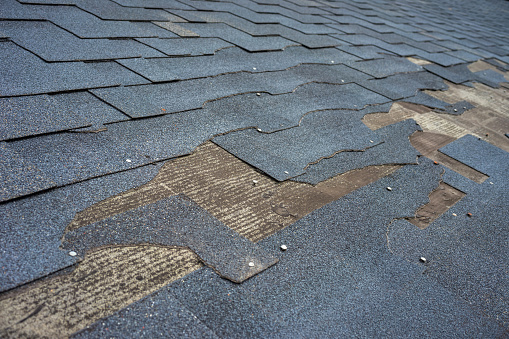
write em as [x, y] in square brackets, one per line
[491, 183]
[454, 214]
[286, 172]
[73, 254]
[332, 61]
[455, 110]
[255, 182]
[128, 160]
[423, 260]
[469, 214]
[389, 188]
[251, 264]
[283, 248]
[258, 94]
[254, 68]
[371, 141]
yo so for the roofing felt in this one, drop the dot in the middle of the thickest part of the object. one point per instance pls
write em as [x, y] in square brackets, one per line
[142, 141]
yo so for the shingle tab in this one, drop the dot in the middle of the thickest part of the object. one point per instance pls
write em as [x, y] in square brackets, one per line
[86, 25]
[32, 228]
[237, 37]
[389, 65]
[186, 46]
[176, 221]
[39, 114]
[23, 73]
[395, 148]
[54, 44]
[286, 154]
[158, 99]
[232, 60]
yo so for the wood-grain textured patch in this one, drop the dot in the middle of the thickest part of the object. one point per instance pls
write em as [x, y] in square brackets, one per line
[106, 280]
[247, 201]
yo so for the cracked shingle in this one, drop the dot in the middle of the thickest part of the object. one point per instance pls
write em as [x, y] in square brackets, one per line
[232, 60]
[39, 114]
[158, 99]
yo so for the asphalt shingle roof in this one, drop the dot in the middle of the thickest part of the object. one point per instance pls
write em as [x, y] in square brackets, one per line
[156, 154]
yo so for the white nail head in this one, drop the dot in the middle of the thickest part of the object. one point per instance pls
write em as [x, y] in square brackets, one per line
[73, 254]
[251, 264]
[286, 172]
[422, 259]
[128, 160]
[258, 94]
[283, 248]
[454, 214]
[389, 188]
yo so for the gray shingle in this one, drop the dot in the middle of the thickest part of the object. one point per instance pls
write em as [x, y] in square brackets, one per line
[186, 46]
[232, 60]
[54, 44]
[31, 229]
[23, 73]
[176, 221]
[157, 99]
[31, 115]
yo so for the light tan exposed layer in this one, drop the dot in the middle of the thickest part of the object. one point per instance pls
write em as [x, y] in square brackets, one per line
[104, 282]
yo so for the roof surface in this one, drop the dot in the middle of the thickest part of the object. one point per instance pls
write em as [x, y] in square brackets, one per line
[254, 168]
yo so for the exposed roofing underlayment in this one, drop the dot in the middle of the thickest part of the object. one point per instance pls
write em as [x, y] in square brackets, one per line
[254, 168]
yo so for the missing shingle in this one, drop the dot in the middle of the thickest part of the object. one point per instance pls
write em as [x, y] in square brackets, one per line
[428, 144]
[223, 185]
[440, 201]
[458, 167]
[121, 266]
[418, 61]
[399, 111]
